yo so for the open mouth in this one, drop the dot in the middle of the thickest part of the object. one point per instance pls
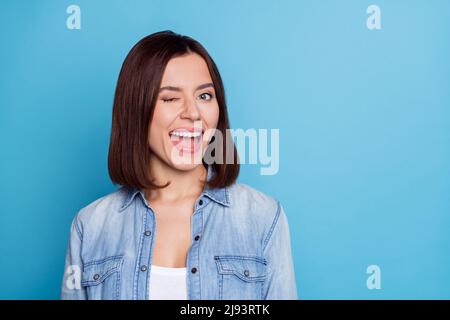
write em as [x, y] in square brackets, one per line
[186, 141]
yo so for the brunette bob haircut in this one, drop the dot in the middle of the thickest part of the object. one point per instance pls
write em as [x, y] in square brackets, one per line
[134, 101]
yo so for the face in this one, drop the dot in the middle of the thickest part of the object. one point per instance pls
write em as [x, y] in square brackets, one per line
[186, 113]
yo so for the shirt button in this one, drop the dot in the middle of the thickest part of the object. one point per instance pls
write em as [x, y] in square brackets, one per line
[96, 276]
[144, 268]
[246, 273]
[194, 270]
[148, 233]
[197, 237]
[200, 202]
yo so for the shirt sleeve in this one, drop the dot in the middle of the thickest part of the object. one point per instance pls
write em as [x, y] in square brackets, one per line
[71, 288]
[280, 283]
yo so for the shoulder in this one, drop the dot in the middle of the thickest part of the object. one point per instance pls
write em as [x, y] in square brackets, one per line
[253, 203]
[243, 194]
[99, 210]
[260, 213]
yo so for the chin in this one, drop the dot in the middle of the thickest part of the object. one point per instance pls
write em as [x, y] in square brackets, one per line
[185, 166]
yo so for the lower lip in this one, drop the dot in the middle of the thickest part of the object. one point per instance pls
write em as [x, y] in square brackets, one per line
[181, 145]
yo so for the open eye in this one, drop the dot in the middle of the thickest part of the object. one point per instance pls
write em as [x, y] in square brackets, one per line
[206, 96]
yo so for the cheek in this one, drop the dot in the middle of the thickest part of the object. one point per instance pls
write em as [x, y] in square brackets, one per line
[159, 124]
[211, 115]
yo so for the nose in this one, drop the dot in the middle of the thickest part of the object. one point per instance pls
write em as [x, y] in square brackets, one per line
[190, 110]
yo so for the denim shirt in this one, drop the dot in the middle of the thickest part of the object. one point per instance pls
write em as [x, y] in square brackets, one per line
[240, 247]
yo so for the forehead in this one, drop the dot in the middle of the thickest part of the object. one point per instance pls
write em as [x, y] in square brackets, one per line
[186, 71]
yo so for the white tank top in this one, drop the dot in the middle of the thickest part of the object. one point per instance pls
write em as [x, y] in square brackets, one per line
[167, 283]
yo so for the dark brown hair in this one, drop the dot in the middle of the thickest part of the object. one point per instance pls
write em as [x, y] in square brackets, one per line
[134, 101]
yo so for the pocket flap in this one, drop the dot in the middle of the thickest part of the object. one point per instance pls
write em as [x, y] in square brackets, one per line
[247, 268]
[95, 272]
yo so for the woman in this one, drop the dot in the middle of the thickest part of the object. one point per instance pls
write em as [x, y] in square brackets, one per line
[179, 226]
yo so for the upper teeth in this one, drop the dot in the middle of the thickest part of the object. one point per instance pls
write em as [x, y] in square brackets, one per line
[186, 134]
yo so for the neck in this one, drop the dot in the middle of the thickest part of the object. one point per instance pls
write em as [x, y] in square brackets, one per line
[184, 184]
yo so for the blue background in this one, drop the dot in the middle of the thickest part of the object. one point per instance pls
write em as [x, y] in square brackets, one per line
[364, 119]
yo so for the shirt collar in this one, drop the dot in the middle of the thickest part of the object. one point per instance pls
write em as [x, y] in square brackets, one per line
[219, 195]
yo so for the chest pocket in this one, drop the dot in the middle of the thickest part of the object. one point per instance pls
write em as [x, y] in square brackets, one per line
[101, 278]
[241, 277]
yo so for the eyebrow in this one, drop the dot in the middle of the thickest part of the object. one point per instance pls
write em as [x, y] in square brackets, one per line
[202, 86]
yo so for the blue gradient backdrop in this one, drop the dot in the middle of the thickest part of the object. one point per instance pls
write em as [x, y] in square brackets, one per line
[364, 119]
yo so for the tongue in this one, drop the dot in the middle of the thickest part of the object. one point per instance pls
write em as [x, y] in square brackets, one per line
[183, 142]
[186, 143]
